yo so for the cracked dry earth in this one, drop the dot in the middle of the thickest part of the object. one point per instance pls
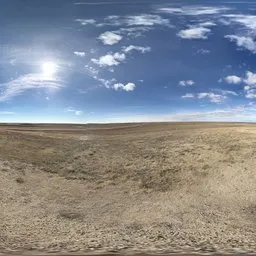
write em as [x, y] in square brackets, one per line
[166, 187]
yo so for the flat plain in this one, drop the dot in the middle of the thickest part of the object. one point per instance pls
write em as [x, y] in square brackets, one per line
[148, 187]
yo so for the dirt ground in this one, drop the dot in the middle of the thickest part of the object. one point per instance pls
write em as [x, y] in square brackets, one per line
[164, 187]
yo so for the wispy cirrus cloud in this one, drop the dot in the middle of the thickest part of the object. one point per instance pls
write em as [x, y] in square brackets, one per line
[193, 10]
[188, 96]
[239, 113]
[85, 22]
[27, 82]
[144, 19]
[210, 96]
[225, 92]
[249, 21]
[142, 49]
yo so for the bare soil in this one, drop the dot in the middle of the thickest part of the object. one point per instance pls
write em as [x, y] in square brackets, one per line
[155, 187]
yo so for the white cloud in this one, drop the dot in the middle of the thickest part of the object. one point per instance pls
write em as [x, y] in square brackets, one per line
[110, 59]
[226, 92]
[243, 41]
[75, 111]
[110, 38]
[186, 83]
[79, 54]
[240, 113]
[188, 96]
[28, 82]
[111, 83]
[250, 87]
[107, 83]
[207, 24]
[250, 78]
[194, 33]
[136, 48]
[113, 19]
[146, 20]
[86, 21]
[233, 79]
[194, 10]
[249, 83]
[212, 97]
[92, 71]
[128, 87]
[133, 31]
[249, 21]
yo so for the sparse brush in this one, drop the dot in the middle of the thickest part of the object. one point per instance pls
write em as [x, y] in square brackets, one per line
[20, 180]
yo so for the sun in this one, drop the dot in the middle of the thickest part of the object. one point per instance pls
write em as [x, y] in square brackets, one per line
[49, 68]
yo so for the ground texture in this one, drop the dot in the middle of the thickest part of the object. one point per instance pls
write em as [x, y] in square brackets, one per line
[141, 187]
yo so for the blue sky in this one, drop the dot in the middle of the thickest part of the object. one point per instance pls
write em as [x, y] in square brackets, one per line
[127, 61]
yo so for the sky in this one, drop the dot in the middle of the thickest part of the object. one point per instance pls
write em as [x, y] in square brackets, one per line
[97, 61]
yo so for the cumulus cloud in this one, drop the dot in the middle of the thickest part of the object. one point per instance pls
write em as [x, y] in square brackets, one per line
[194, 33]
[194, 10]
[233, 79]
[28, 82]
[127, 87]
[110, 38]
[250, 85]
[141, 49]
[85, 22]
[250, 78]
[249, 82]
[75, 111]
[243, 41]
[112, 84]
[186, 82]
[110, 59]
[79, 54]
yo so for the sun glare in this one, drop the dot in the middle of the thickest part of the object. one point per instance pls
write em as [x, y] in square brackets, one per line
[49, 68]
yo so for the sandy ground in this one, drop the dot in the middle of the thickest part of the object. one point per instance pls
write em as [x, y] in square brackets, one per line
[147, 187]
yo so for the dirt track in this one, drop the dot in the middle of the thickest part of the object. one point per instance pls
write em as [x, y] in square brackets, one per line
[147, 187]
